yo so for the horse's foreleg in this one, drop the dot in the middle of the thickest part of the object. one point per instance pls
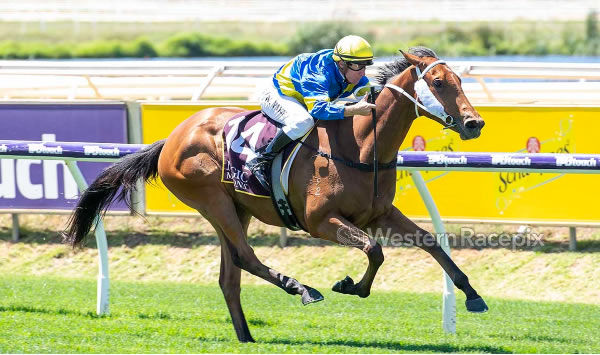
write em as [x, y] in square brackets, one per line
[412, 234]
[341, 231]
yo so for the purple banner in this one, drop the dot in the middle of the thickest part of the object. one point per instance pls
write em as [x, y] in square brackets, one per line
[46, 184]
[68, 150]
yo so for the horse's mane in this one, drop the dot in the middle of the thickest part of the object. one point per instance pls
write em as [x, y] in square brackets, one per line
[396, 67]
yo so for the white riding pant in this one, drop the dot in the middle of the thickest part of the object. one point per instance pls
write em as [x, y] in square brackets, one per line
[286, 110]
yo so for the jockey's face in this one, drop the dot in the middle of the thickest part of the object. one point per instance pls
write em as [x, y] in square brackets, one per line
[354, 73]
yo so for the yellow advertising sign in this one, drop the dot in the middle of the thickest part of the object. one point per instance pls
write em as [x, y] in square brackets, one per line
[158, 120]
[536, 197]
[515, 196]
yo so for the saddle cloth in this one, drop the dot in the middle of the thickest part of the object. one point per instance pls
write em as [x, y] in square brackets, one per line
[243, 134]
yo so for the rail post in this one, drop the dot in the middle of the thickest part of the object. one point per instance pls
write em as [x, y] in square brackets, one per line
[572, 238]
[449, 299]
[103, 281]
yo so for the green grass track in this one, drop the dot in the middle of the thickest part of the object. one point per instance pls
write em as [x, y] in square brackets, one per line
[57, 315]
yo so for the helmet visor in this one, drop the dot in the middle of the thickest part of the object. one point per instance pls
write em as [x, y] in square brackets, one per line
[359, 65]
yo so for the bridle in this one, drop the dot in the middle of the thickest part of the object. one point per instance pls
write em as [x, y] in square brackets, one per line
[425, 99]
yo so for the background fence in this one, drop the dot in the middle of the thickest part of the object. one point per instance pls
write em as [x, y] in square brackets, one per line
[271, 10]
[500, 82]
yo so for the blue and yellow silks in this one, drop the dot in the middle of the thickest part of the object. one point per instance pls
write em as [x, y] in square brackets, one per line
[314, 79]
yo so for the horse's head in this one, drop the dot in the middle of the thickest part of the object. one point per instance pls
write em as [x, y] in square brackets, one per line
[438, 89]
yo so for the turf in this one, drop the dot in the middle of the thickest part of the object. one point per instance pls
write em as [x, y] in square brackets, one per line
[56, 315]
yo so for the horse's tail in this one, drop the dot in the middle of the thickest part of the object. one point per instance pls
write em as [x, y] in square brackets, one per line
[96, 199]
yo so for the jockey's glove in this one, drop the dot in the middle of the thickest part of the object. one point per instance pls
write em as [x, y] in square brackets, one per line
[362, 108]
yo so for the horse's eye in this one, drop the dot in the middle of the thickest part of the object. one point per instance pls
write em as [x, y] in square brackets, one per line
[437, 83]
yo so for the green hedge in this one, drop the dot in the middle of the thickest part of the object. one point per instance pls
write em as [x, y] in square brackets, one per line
[451, 41]
[202, 45]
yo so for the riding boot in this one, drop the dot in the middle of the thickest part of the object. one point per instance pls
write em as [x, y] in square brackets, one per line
[261, 164]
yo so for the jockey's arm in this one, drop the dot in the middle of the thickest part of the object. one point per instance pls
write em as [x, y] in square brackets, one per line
[362, 108]
[325, 110]
[320, 107]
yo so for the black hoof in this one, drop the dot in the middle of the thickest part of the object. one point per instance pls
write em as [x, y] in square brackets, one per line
[344, 286]
[311, 296]
[476, 305]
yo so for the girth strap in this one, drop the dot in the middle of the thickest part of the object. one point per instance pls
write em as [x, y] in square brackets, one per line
[280, 201]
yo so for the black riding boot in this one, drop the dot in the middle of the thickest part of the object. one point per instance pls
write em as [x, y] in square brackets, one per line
[261, 164]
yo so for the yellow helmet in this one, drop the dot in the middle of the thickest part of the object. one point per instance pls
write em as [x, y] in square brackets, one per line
[353, 49]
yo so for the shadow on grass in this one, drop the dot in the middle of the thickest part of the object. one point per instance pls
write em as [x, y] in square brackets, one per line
[197, 239]
[538, 338]
[397, 346]
[176, 239]
[60, 311]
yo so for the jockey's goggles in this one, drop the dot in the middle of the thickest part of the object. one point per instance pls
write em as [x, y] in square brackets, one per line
[357, 66]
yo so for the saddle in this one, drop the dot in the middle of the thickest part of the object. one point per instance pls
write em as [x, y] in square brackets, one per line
[242, 135]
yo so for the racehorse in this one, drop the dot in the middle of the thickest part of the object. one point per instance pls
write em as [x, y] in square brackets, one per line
[331, 198]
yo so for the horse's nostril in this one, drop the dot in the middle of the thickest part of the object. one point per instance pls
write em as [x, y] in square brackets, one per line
[473, 124]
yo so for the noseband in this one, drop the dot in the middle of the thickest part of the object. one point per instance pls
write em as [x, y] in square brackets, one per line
[425, 98]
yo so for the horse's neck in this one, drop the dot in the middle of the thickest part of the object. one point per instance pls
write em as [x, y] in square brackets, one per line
[395, 114]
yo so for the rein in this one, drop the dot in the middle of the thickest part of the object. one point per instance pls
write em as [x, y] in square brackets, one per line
[359, 166]
[375, 163]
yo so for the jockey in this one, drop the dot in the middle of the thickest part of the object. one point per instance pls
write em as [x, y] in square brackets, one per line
[306, 89]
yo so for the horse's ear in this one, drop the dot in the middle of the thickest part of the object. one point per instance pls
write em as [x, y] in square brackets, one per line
[412, 59]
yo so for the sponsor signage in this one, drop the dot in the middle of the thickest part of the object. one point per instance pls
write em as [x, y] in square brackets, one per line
[47, 184]
[510, 195]
[507, 160]
[94, 150]
[570, 161]
[551, 162]
[41, 149]
[507, 195]
[442, 159]
[67, 150]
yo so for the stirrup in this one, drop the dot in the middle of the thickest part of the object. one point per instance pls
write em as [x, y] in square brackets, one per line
[261, 164]
[260, 170]
[260, 167]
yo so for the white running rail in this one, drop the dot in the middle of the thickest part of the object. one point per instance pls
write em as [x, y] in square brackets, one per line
[571, 83]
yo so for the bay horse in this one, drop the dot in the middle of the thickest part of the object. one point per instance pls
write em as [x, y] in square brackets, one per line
[328, 196]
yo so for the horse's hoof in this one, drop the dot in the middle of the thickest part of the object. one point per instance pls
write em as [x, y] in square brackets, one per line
[476, 305]
[343, 286]
[248, 339]
[364, 294]
[311, 296]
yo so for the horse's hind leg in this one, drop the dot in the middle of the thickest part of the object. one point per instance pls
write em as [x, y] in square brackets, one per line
[341, 231]
[219, 209]
[414, 235]
[229, 280]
